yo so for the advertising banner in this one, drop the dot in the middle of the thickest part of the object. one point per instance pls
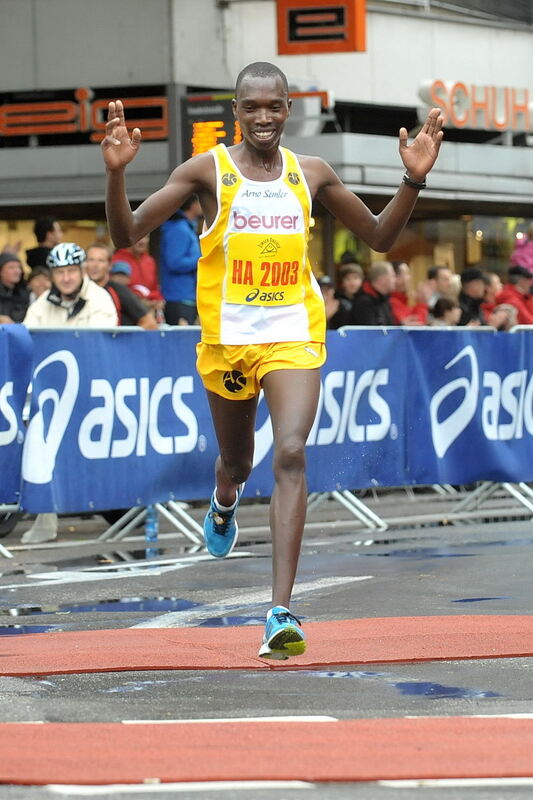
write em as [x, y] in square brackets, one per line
[121, 419]
[15, 373]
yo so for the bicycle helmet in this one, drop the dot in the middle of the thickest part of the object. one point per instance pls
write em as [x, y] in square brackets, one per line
[65, 254]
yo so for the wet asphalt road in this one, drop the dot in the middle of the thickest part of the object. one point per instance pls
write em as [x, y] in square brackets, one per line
[79, 583]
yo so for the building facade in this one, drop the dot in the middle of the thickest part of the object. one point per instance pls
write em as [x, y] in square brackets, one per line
[63, 60]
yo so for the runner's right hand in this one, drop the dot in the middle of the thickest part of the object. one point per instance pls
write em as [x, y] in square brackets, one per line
[118, 148]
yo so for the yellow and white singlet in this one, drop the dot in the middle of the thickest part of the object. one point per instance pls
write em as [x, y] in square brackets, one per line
[255, 283]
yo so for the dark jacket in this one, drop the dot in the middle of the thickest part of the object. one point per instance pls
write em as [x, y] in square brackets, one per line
[370, 307]
[14, 302]
[470, 309]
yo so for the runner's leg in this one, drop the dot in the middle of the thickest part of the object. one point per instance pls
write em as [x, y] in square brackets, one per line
[234, 422]
[292, 398]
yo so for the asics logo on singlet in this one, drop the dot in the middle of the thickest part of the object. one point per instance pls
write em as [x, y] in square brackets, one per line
[265, 297]
[229, 179]
[286, 222]
[234, 381]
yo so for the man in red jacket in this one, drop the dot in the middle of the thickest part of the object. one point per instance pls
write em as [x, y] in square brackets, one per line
[517, 293]
[402, 311]
[144, 281]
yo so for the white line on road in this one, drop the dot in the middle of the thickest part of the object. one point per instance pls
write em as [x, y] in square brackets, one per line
[227, 719]
[443, 783]
[179, 619]
[137, 569]
[153, 785]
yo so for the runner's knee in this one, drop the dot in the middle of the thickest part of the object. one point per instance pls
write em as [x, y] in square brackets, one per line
[290, 456]
[236, 470]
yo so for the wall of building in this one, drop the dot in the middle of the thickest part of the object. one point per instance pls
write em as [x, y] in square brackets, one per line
[403, 49]
[54, 44]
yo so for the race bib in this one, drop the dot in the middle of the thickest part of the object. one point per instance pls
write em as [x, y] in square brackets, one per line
[264, 270]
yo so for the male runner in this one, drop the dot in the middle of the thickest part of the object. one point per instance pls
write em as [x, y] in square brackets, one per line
[261, 310]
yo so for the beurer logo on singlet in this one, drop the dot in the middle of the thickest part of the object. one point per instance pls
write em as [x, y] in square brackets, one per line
[253, 222]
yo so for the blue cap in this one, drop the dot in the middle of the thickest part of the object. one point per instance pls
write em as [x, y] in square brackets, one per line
[121, 267]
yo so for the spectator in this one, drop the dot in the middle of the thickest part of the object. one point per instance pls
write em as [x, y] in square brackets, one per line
[517, 293]
[48, 233]
[371, 304]
[120, 273]
[335, 312]
[351, 277]
[143, 280]
[38, 282]
[503, 317]
[179, 254]
[14, 297]
[73, 301]
[493, 286]
[402, 311]
[440, 283]
[522, 255]
[129, 308]
[471, 297]
[446, 313]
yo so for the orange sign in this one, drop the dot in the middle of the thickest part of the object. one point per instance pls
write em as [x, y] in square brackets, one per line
[83, 115]
[489, 108]
[321, 26]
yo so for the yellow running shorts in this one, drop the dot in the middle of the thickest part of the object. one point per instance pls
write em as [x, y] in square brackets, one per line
[235, 371]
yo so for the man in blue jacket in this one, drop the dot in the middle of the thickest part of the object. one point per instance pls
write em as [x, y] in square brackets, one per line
[178, 259]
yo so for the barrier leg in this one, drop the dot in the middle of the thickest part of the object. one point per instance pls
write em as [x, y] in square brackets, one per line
[122, 529]
[182, 521]
[118, 525]
[518, 496]
[5, 552]
[477, 497]
[316, 499]
[360, 510]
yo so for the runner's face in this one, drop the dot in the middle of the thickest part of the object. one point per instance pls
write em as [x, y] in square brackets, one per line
[262, 108]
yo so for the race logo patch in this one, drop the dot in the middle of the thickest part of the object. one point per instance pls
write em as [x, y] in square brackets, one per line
[269, 247]
[229, 179]
[234, 381]
[293, 178]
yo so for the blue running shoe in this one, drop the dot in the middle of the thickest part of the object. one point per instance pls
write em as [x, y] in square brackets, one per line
[284, 636]
[221, 529]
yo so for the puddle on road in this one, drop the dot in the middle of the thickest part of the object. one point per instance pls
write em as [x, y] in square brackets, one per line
[435, 691]
[222, 622]
[116, 604]
[480, 599]
[16, 630]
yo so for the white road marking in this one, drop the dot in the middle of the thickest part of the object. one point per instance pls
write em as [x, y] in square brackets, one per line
[153, 785]
[179, 619]
[137, 569]
[227, 719]
[443, 783]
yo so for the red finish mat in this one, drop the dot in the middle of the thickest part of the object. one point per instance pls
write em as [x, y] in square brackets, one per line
[350, 750]
[355, 641]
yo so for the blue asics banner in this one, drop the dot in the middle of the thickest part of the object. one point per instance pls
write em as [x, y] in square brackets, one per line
[120, 419]
[15, 372]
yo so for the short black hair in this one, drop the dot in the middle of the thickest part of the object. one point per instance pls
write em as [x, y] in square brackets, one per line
[261, 69]
[43, 225]
[471, 274]
[434, 271]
